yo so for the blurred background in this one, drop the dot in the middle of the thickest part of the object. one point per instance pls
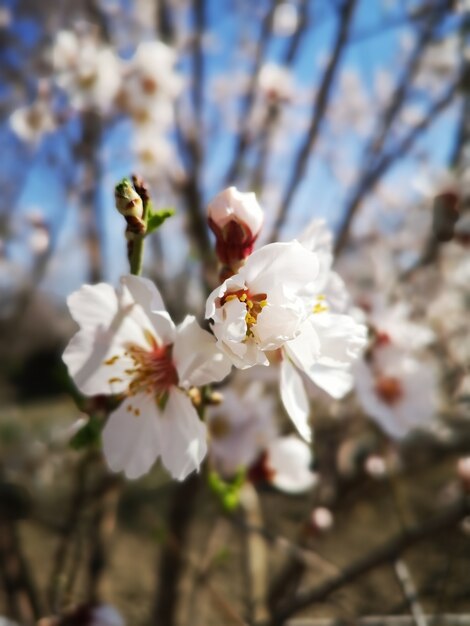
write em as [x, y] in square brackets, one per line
[353, 111]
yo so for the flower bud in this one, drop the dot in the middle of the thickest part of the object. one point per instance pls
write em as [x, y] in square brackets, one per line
[129, 204]
[236, 219]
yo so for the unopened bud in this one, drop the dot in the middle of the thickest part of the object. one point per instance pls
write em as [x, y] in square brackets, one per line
[130, 205]
[321, 519]
[235, 218]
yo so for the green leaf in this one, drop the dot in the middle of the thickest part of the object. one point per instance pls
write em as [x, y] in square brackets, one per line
[88, 436]
[156, 218]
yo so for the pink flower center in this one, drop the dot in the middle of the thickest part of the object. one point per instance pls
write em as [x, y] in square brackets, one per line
[389, 389]
[153, 371]
[254, 305]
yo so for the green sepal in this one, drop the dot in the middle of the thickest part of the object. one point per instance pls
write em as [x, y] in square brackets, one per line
[156, 218]
[88, 436]
[227, 492]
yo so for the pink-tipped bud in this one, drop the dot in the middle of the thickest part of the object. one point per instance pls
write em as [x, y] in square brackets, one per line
[235, 218]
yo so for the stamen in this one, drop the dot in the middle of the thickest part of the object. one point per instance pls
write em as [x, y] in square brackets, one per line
[254, 304]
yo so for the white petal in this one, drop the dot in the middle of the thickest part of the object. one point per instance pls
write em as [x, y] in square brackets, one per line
[304, 350]
[342, 339]
[183, 436]
[281, 270]
[86, 356]
[290, 459]
[294, 398]
[131, 442]
[335, 381]
[144, 293]
[276, 324]
[93, 305]
[196, 355]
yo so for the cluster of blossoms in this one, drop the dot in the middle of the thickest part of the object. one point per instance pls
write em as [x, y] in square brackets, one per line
[95, 79]
[281, 303]
[280, 306]
[396, 381]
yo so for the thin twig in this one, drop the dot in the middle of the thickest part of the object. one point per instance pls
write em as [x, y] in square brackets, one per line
[249, 99]
[388, 552]
[372, 176]
[318, 113]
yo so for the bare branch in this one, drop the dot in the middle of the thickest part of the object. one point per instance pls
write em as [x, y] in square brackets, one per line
[318, 112]
[372, 176]
[386, 553]
[249, 99]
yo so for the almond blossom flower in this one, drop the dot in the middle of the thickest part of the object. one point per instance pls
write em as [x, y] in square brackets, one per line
[151, 84]
[87, 71]
[127, 344]
[263, 305]
[236, 219]
[396, 390]
[327, 342]
[244, 435]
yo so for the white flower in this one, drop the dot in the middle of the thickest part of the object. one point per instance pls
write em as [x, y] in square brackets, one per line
[33, 121]
[275, 83]
[89, 72]
[397, 390]
[151, 84]
[236, 219]
[127, 344]
[244, 435]
[327, 342]
[240, 428]
[288, 460]
[263, 305]
[286, 19]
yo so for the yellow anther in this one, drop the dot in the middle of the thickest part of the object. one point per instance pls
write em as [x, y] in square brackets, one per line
[249, 304]
[116, 379]
[320, 308]
[112, 360]
[243, 297]
[263, 303]
[231, 297]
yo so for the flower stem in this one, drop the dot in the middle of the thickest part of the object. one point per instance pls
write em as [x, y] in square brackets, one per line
[136, 249]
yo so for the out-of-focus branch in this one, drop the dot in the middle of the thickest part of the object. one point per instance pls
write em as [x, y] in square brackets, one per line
[386, 553]
[296, 39]
[271, 116]
[242, 140]
[372, 176]
[198, 62]
[58, 580]
[172, 558]
[165, 23]
[404, 84]
[21, 594]
[90, 205]
[319, 109]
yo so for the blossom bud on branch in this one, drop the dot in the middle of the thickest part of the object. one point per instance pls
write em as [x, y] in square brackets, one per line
[235, 218]
[130, 205]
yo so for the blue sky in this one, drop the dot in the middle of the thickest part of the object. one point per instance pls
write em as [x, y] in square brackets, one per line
[318, 194]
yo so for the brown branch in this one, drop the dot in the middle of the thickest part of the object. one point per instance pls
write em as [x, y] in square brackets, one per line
[388, 552]
[172, 558]
[58, 581]
[371, 178]
[21, 593]
[318, 113]
[249, 99]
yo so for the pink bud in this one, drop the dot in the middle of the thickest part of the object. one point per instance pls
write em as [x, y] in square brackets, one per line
[235, 218]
